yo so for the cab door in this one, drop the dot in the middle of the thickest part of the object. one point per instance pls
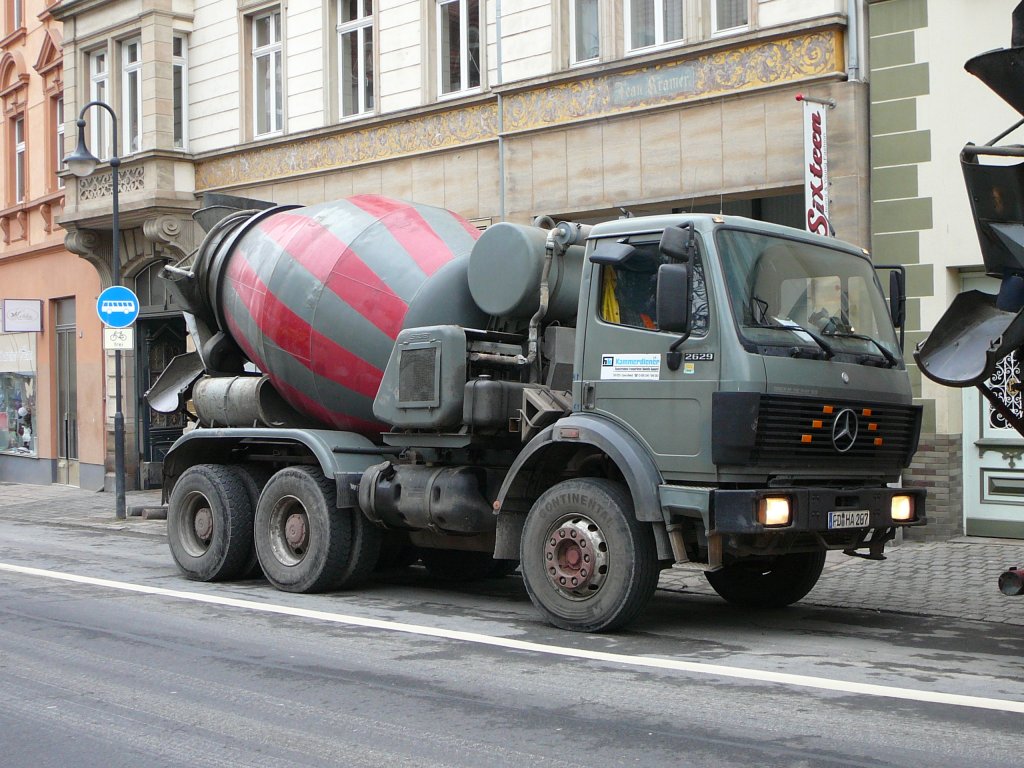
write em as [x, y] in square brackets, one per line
[626, 375]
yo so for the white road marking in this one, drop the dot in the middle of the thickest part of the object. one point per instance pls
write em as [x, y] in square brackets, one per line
[650, 662]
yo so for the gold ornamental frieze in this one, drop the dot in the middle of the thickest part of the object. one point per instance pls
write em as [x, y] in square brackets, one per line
[415, 135]
[738, 69]
[755, 65]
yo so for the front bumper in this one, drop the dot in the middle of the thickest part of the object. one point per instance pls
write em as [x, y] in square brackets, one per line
[735, 511]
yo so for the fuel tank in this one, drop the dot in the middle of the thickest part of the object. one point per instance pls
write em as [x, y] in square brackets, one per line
[315, 296]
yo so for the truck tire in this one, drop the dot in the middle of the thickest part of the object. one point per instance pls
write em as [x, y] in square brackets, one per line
[774, 583]
[588, 564]
[209, 523]
[254, 477]
[367, 539]
[457, 564]
[302, 540]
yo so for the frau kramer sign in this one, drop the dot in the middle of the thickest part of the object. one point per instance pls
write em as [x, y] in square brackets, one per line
[816, 216]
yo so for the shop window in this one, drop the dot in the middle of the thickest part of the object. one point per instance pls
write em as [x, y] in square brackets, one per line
[458, 45]
[653, 22]
[355, 56]
[18, 393]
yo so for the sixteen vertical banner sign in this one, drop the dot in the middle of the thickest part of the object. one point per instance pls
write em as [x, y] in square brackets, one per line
[816, 215]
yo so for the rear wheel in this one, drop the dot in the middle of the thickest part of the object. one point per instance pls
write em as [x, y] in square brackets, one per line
[302, 541]
[254, 477]
[768, 583]
[209, 523]
[588, 564]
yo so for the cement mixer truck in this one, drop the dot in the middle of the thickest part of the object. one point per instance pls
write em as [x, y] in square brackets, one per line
[591, 404]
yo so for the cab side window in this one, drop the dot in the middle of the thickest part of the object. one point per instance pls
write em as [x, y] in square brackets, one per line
[628, 293]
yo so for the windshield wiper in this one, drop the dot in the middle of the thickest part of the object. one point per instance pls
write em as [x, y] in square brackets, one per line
[889, 356]
[794, 327]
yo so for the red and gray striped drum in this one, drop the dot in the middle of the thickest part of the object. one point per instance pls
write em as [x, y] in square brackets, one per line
[316, 296]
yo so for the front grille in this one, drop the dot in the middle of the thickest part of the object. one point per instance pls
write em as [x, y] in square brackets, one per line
[793, 431]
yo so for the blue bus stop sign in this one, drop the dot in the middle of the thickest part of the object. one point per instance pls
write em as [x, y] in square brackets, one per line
[117, 306]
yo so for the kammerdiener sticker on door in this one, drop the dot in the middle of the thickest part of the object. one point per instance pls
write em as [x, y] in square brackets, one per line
[645, 367]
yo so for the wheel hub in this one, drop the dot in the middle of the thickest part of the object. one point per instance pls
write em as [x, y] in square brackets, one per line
[203, 524]
[296, 532]
[575, 555]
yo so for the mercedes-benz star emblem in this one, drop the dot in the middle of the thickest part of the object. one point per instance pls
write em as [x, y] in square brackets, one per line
[844, 430]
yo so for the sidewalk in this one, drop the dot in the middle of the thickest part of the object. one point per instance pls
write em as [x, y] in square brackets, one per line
[956, 578]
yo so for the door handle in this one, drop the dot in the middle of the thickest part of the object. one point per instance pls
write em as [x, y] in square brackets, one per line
[589, 395]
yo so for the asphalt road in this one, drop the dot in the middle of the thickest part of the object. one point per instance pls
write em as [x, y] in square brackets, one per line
[109, 658]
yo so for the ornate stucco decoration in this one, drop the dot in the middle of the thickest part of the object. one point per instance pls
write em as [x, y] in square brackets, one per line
[758, 64]
[97, 187]
[172, 237]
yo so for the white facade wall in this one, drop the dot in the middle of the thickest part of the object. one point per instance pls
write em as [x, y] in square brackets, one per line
[214, 87]
[527, 39]
[305, 68]
[401, 63]
[771, 13]
[535, 39]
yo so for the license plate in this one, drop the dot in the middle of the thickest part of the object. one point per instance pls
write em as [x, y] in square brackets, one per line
[858, 518]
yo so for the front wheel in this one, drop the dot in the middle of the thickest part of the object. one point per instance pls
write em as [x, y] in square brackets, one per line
[768, 583]
[588, 564]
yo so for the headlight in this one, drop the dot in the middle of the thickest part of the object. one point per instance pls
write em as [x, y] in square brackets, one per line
[902, 508]
[774, 511]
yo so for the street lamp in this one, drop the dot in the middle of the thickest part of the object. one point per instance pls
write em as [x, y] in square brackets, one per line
[81, 163]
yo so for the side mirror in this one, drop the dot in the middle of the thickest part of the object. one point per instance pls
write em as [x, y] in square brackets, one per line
[897, 298]
[673, 295]
[677, 242]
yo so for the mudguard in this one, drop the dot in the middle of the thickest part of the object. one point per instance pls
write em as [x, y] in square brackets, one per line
[340, 454]
[621, 446]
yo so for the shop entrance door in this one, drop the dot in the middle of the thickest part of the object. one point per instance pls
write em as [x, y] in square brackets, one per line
[161, 339]
[67, 394]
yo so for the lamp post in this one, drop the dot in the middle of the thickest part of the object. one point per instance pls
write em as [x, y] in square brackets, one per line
[81, 163]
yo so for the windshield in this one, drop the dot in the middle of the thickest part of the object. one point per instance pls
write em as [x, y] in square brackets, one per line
[790, 297]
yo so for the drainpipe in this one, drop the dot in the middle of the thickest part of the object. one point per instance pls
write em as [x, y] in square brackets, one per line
[853, 39]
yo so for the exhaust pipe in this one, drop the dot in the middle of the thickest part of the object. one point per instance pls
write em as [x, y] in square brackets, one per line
[1012, 582]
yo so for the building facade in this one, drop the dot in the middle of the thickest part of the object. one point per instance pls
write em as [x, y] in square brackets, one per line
[501, 110]
[924, 109]
[51, 375]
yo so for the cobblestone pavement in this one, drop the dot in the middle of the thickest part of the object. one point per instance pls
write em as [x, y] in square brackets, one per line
[955, 578]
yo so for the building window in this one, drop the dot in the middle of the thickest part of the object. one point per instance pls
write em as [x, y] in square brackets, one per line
[584, 25]
[728, 15]
[99, 86]
[653, 22]
[268, 97]
[458, 45]
[58, 130]
[131, 95]
[355, 56]
[19, 159]
[179, 89]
